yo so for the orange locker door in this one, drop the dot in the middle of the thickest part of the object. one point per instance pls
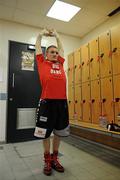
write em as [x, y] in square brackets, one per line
[93, 61]
[77, 68]
[70, 77]
[115, 42]
[107, 98]
[70, 60]
[78, 112]
[70, 69]
[116, 82]
[104, 55]
[86, 102]
[71, 102]
[84, 63]
[95, 101]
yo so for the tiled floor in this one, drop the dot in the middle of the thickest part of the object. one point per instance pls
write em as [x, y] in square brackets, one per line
[82, 161]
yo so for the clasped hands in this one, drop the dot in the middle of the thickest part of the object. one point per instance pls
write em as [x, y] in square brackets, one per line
[49, 32]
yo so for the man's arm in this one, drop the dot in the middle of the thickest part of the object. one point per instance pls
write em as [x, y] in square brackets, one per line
[59, 44]
[60, 47]
[38, 48]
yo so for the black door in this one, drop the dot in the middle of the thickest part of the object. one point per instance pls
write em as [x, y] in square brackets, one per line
[23, 92]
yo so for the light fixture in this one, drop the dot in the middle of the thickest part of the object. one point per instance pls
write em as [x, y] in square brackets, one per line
[62, 11]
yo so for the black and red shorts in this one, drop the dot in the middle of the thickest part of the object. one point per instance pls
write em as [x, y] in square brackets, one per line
[52, 116]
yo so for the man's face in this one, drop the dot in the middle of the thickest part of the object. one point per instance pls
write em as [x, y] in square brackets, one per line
[52, 54]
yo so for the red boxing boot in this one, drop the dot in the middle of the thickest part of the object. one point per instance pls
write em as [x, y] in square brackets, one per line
[55, 162]
[47, 166]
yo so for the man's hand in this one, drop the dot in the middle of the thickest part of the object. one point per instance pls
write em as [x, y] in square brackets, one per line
[55, 33]
[44, 32]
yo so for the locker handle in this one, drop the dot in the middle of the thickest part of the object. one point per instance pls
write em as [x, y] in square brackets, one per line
[93, 100]
[114, 50]
[82, 63]
[102, 55]
[75, 66]
[103, 100]
[117, 99]
[13, 80]
[84, 101]
[68, 69]
[76, 101]
[91, 59]
[69, 102]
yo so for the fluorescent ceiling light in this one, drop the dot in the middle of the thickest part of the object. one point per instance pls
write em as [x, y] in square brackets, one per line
[62, 11]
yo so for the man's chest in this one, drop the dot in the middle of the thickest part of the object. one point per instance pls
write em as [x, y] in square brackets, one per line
[52, 70]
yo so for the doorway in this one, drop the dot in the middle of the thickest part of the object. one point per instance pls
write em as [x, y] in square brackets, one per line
[23, 92]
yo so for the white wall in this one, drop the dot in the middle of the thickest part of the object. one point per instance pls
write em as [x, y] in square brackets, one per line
[112, 21]
[27, 34]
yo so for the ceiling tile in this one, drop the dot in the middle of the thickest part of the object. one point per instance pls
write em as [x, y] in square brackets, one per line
[6, 12]
[9, 3]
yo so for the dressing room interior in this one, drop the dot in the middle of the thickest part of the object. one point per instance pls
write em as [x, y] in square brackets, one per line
[59, 89]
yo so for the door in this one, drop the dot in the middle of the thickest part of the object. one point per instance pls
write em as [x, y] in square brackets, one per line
[70, 69]
[116, 82]
[85, 63]
[86, 108]
[78, 111]
[95, 101]
[115, 42]
[104, 55]
[71, 102]
[23, 92]
[77, 67]
[107, 98]
[94, 63]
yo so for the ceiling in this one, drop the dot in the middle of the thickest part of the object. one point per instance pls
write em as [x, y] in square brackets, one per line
[33, 12]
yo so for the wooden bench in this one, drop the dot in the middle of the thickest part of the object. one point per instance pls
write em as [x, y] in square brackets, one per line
[95, 133]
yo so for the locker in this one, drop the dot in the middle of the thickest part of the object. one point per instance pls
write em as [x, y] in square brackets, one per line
[95, 101]
[104, 52]
[93, 61]
[78, 111]
[86, 109]
[71, 102]
[70, 69]
[77, 66]
[70, 60]
[116, 82]
[115, 43]
[85, 63]
[107, 98]
[70, 77]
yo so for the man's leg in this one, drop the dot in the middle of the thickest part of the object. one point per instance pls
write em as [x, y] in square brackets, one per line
[46, 145]
[47, 157]
[55, 161]
[56, 143]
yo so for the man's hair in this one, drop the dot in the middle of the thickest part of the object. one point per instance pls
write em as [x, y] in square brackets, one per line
[52, 46]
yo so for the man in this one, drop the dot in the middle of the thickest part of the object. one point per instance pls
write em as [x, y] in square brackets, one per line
[52, 111]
